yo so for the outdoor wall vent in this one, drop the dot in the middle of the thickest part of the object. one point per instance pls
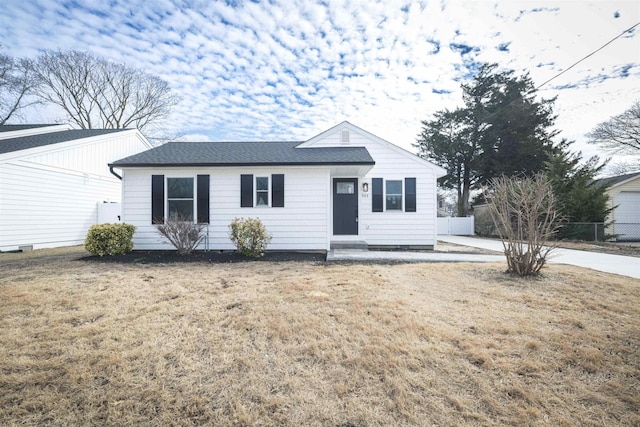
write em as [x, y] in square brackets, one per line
[345, 136]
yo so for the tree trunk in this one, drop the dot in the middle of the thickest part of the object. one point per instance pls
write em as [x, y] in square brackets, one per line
[466, 189]
[460, 204]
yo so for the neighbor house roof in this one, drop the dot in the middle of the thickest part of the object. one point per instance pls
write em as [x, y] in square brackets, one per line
[40, 140]
[245, 154]
[614, 180]
[12, 128]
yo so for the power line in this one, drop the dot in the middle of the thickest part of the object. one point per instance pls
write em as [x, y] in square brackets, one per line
[522, 95]
[589, 55]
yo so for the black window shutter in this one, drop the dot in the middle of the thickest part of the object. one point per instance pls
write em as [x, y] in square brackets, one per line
[376, 192]
[246, 191]
[277, 191]
[203, 199]
[157, 199]
[409, 194]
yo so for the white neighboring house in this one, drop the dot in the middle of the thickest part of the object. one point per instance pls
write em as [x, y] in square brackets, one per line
[624, 198]
[52, 178]
[344, 186]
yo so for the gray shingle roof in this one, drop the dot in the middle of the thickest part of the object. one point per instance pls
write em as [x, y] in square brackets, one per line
[613, 180]
[244, 154]
[12, 128]
[40, 140]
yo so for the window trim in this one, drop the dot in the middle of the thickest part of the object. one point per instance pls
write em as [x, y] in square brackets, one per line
[160, 198]
[275, 190]
[408, 194]
[387, 195]
[193, 197]
[267, 191]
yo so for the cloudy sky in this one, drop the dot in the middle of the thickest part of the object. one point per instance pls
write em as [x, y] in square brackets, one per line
[289, 69]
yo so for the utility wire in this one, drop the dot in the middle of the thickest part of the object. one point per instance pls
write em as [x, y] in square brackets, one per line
[521, 96]
[589, 55]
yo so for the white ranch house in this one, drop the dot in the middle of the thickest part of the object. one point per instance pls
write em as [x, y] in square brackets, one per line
[52, 179]
[344, 186]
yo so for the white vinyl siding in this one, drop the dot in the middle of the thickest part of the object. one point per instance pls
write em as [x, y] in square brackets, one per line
[624, 198]
[301, 225]
[627, 214]
[306, 221]
[49, 197]
[49, 208]
[392, 228]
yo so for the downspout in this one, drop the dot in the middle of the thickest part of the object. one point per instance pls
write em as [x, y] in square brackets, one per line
[114, 173]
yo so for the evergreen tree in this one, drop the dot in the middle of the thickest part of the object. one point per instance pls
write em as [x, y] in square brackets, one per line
[574, 183]
[514, 129]
[447, 140]
[501, 130]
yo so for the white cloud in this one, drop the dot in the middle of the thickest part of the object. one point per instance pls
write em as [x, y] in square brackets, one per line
[290, 69]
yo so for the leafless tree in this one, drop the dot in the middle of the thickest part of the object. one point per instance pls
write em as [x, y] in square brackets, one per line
[526, 219]
[621, 168]
[620, 134]
[16, 83]
[97, 93]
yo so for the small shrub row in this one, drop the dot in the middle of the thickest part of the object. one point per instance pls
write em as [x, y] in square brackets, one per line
[249, 235]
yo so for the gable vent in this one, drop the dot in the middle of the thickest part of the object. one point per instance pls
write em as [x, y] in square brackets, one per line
[345, 136]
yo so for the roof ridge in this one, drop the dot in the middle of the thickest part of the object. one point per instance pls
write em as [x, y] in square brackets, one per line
[235, 142]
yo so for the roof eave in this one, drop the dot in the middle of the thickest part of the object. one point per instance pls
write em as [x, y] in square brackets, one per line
[150, 165]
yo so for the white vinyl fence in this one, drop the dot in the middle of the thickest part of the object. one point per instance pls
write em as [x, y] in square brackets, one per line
[109, 212]
[462, 226]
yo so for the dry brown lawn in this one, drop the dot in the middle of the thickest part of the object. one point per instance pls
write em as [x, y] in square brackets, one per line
[295, 343]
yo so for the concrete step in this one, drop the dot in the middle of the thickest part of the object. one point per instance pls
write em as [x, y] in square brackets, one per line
[362, 245]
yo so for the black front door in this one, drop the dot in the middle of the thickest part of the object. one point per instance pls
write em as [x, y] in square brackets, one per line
[345, 206]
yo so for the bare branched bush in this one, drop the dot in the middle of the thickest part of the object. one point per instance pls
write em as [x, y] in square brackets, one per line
[524, 212]
[183, 234]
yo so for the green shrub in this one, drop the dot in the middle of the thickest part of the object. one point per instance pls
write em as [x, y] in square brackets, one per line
[250, 236]
[109, 239]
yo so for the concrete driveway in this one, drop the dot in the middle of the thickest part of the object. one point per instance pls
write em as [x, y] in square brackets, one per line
[617, 264]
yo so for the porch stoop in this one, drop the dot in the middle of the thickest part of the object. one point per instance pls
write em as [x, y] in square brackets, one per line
[362, 245]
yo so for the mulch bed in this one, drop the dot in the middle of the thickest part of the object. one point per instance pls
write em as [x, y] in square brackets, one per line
[212, 257]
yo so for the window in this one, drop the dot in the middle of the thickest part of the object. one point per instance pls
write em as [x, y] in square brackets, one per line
[391, 192]
[261, 194]
[394, 195]
[180, 198]
[262, 191]
[345, 187]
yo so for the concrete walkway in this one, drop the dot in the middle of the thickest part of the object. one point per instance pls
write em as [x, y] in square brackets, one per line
[406, 256]
[617, 264]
